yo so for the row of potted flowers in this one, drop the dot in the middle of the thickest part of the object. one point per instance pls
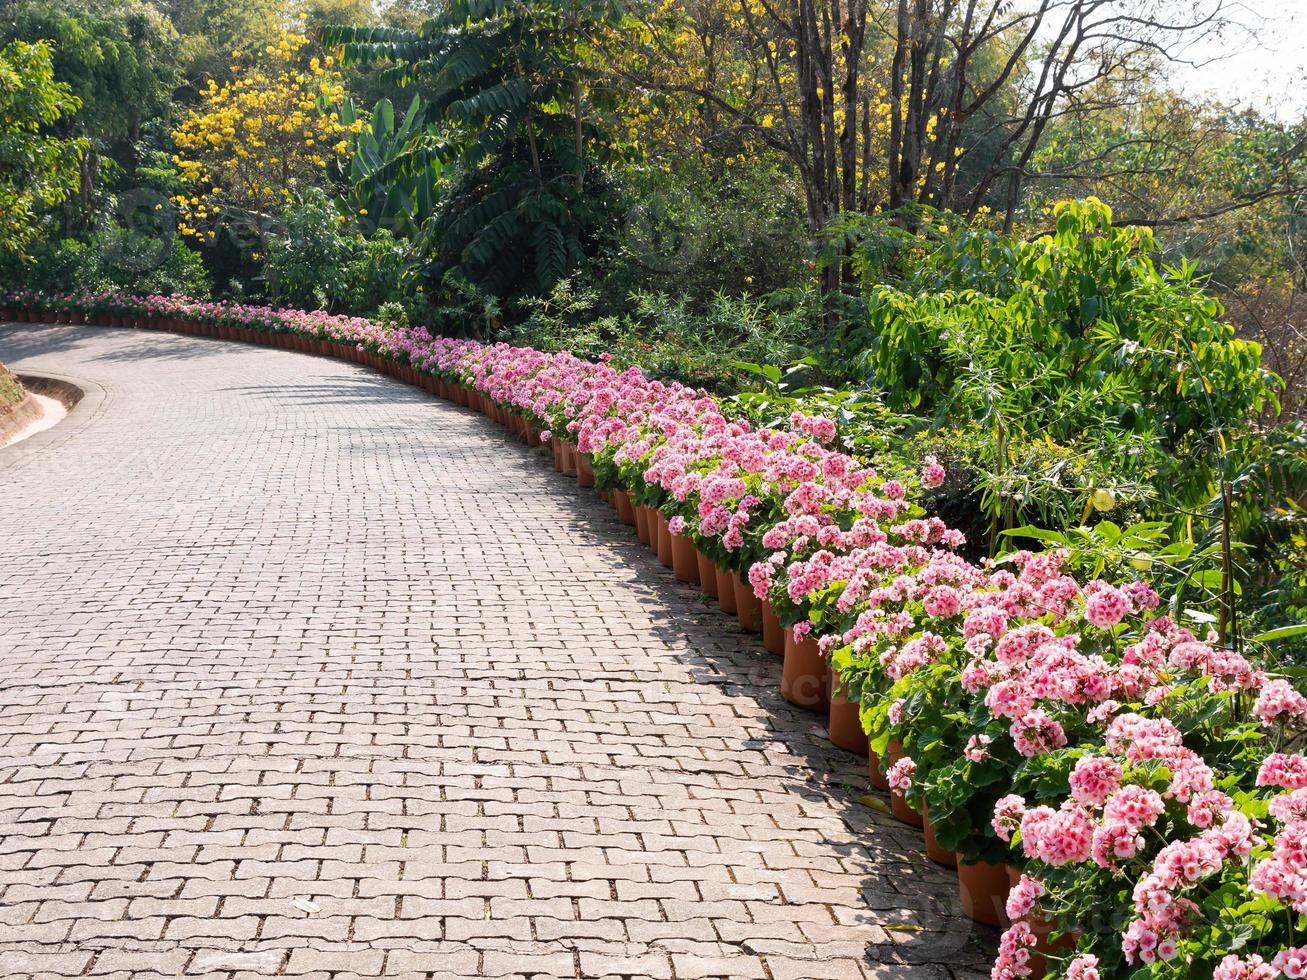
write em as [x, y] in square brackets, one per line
[1116, 791]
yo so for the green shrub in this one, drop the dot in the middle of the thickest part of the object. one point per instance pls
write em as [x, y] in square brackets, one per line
[693, 233]
[115, 259]
[1074, 332]
[666, 336]
[320, 260]
[1077, 340]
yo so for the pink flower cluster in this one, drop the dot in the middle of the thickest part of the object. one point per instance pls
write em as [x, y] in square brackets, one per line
[1107, 815]
[900, 774]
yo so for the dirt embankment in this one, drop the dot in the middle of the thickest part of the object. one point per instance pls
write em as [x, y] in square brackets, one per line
[18, 408]
[11, 392]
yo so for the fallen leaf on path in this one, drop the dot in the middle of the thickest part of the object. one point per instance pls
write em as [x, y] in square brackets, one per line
[876, 803]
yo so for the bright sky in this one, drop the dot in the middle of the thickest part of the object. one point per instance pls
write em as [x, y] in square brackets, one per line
[1263, 66]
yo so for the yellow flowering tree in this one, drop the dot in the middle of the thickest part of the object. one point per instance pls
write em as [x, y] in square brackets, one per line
[259, 140]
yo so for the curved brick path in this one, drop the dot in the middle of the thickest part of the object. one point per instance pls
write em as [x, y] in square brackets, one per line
[304, 673]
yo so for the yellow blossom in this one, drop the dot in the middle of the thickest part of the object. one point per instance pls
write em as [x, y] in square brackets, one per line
[254, 140]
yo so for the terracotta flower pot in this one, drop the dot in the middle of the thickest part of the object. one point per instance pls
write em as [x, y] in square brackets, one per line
[569, 459]
[585, 473]
[902, 812]
[983, 889]
[666, 555]
[625, 509]
[557, 447]
[844, 725]
[773, 633]
[747, 606]
[803, 679]
[940, 855]
[685, 561]
[642, 526]
[874, 775]
[533, 436]
[707, 575]
[725, 591]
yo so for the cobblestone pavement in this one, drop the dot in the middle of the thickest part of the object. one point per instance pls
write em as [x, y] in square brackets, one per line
[304, 673]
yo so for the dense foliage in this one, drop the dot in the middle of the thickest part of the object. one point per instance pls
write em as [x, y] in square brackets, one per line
[37, 170]
[530, 200]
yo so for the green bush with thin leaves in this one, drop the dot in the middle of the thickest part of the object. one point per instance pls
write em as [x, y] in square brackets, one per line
[1077, 337]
